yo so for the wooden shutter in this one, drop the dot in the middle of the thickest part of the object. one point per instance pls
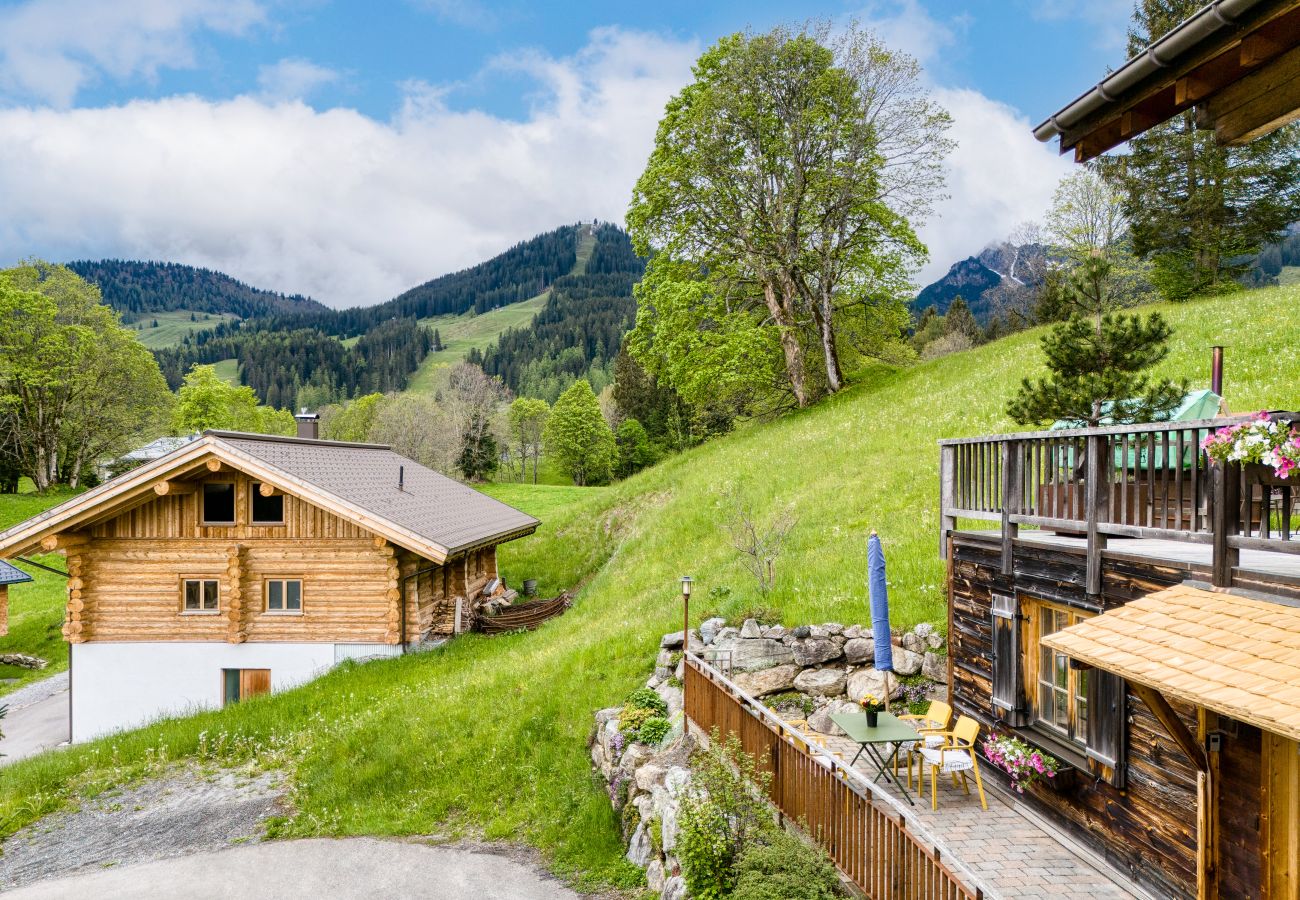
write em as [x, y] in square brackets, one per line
[253, 682]
[1108, 722]
[1008, 691]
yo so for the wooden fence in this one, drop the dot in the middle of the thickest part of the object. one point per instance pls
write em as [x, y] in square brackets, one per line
[869, 841]
[1138, 481]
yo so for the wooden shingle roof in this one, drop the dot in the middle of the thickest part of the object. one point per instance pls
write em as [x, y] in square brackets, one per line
[1235, 655]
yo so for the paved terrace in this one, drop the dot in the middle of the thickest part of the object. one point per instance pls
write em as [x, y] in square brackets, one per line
[1006, 850]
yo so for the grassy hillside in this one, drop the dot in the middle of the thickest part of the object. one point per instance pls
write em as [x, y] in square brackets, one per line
[488, 735]
[173, 326]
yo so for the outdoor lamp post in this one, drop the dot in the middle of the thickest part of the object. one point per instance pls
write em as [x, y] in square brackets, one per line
[686, 639]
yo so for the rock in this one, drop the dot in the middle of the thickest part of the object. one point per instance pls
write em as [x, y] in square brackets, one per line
[664, 659]
[859, 650]
[834, 628]
[680, 672]
[604, 716]
[907, 662]
[639, 848]
[750, 655]
[649, 776]
[853, 631]
[749, 630]
[821, 682]
[935, 640]
[935, 667]
[871, 681]
[709, 629]
[767, 681]
[654, 875]
[914, 642]
[660, 675]
[814, 651]
[818, 631]
[802, 632]
[674, 889]
[673, 640]
[23, 661]
[820, 721]
[635, 756]
[672, 696]
[775, 632]
[924, 630]
[728, 631]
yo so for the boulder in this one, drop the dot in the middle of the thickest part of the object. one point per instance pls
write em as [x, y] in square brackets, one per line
[907, 662]
[854, 631]
[665, 658]
[672, 696]
[727, 631]
[859, 650]
[673, 640]
[775, 632]
[914, 642]
[767, 681]
[750, 630]
[639, 848]
[674, 889]
[814, 651]
[820, 721]
[935, 667]
[634, 757]
[709, 629]
[818, 631]
[924, 630]
[660, 675]
[834, 628]
[871, 681]
[649, 776]
[654, 875]
[803, 631]
[935, 640]
[751, 655]
[821, 682]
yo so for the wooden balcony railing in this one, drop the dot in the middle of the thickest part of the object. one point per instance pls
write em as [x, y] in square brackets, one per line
[1143, 481]
[869, 842]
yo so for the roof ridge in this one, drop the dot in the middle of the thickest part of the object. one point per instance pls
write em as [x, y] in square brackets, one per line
[288, 439]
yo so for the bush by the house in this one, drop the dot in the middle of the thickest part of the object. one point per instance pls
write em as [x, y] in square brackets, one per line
[631, 720]
[653, 730]
[645, 698]
[780, 866]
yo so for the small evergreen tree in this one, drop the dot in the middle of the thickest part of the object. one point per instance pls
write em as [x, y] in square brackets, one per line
[437, 341]
[479, 455]
[1096, 362]
[577, 436]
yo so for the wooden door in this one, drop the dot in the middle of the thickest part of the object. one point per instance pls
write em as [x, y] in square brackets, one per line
[1280, 825]
[253, 682]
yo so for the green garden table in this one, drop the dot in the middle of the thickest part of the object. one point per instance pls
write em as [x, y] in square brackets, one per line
[889, 730]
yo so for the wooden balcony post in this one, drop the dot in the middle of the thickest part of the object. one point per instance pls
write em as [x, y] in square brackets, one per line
[947, 495]
[1224, 520]
[1097, 492]
[1012, 484]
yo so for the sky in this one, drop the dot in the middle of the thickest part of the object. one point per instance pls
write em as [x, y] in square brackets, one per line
[350, 150]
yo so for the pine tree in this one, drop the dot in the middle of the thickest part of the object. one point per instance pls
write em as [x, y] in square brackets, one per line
[479, 456]
[437, 341]
[1096, 362]
[1199, 210]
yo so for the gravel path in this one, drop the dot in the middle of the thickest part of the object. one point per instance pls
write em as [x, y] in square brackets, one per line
[183, 813]
[35, 692]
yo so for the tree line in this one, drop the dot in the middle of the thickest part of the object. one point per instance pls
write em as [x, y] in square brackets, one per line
[136, 287]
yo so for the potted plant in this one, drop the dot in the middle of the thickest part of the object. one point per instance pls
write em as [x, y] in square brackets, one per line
[872, 705]
[1025, 764]
[1264, 446]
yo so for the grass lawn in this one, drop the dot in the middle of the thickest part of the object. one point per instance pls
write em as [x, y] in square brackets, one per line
[173, 326]
[35, 608]
[228, 371]
[488, 735]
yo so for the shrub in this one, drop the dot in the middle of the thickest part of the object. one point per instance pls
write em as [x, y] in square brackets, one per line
[763, 615]
[631, 720]
[645, 698]
[781, 866]
[653, 730]
[791, 700]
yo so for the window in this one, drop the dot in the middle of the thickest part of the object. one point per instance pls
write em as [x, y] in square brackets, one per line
[200, 595]
[1062, 691]
[267, 510]
[218, 503]
[284, 595]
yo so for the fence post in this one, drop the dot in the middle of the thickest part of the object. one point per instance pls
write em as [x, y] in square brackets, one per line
[1224, 520]
[1012, 486]
[1097, 492]
[947, 495]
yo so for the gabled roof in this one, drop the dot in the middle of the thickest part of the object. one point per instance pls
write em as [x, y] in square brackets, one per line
[1231, 654]
[430, 514]
[12, 574]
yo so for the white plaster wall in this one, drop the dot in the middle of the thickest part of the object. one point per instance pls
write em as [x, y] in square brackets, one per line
[124, 685]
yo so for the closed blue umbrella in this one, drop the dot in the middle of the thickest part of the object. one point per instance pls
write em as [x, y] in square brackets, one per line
[879, 593]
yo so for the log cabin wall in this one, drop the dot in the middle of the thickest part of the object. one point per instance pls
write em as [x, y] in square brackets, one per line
[1149, 828]
[1240, 774]
[130, 571]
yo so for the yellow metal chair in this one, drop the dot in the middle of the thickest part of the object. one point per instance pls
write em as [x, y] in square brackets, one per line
[931, 724]
[955, 757]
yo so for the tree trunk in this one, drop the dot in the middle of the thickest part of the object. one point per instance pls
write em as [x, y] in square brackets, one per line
[789, 343]
[831, 356]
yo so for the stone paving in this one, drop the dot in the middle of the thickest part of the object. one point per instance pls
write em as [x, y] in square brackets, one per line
[1005, 852]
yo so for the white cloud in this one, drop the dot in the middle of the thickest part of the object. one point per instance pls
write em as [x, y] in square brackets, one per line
[51, 49]
[293, 79]
[333, 203]
[1110, 18]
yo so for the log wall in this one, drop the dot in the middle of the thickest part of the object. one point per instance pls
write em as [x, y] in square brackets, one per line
[1148, 829]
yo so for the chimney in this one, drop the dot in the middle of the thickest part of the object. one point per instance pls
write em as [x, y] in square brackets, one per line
[308, 424]
[1216, 370]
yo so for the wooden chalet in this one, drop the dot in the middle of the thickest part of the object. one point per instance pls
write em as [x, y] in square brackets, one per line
[240, 563]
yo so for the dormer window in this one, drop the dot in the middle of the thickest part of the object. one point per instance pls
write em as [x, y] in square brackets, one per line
[218, 503]
[266, 510]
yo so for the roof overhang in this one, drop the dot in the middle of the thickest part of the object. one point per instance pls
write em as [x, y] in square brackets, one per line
[137, 486]
[1234, 655]
[1237, 62]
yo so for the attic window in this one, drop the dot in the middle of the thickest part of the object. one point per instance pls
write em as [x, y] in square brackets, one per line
[218, 503]
[267, 510]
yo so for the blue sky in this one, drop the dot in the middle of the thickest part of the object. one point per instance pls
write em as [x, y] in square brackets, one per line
[349, 149]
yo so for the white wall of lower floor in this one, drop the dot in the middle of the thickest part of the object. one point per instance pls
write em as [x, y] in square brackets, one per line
[125, 685]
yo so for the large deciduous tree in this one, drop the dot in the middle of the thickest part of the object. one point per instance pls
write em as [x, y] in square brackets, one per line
[75, 386]
[1200, 210]
[527, 417]
[206, 401]
[776, 203]
[578, 438]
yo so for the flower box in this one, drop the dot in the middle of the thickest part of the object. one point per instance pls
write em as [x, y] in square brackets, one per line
[1266, 447]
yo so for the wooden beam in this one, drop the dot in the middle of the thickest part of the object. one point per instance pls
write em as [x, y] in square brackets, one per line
[1262, 101]
[1173, 724]
[174, 488]
[64, 540]
[214, 465]
[267, 490]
